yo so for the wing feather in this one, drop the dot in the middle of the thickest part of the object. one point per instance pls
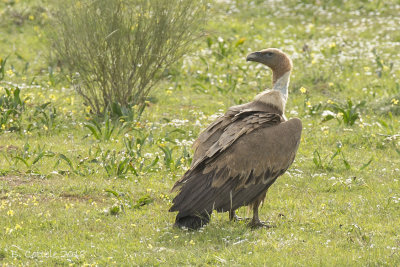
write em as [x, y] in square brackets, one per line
[251, 151]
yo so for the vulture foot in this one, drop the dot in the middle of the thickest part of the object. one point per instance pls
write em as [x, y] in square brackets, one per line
[235, 218]
[239, 219]
[258, 224]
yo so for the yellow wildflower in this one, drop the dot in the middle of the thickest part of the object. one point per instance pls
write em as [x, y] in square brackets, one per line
[330, 84]
[10, 73]
[394, 101]
[17, 227]
[303, 90]
[332, 45]
[308, 103]
[330, 101]
[192, 242]
[31, 17]
[10, 213]
[44, 15]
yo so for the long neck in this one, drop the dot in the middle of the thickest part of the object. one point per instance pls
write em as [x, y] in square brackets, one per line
[281, 84]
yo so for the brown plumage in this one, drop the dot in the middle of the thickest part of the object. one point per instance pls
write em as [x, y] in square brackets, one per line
[241, 154]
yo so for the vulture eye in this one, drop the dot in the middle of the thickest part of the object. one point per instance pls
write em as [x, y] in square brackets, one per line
[269, 54]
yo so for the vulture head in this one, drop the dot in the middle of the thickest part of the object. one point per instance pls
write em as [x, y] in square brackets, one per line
[280, 64]
[274, 58]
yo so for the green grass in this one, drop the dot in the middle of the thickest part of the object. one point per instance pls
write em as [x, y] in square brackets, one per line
[68, 198]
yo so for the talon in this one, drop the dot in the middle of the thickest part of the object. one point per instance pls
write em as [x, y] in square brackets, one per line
[258, 224]
[237, 218]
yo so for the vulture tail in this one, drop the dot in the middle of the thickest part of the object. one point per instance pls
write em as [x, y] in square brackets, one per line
[192, 222]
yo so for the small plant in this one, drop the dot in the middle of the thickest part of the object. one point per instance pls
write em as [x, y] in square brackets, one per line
[318, 161]
[45, 115]
[380, 65]
[119, 205]
[124, 201]
[115, 164]
[133, 149]
[168, 158]
[347, 113]
[388, 126]
[30, 157]
[11, 108]
[125, 113]
[143, 201]
[104, 130]
[169, 161]
[2, 67]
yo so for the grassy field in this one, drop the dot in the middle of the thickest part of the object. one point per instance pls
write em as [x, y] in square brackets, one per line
[75, 194]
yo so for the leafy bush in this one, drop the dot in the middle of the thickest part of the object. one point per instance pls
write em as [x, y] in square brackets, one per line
[116, 50]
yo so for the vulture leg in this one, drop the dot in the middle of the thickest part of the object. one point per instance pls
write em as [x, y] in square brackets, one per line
[255, 222]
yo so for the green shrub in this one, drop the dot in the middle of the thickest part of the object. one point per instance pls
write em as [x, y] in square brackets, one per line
[116, 50]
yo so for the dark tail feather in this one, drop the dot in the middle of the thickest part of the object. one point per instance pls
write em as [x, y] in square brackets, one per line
[192, 222]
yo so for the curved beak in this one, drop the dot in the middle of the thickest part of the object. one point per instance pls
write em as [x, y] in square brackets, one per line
[255, 56]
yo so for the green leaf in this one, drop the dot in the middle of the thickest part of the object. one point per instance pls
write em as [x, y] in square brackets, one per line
[145, 200]
[366, 164]
[67, 160]
[93, 130]
[328, 118]
[23, 160]
[115, 193]
[38, 157]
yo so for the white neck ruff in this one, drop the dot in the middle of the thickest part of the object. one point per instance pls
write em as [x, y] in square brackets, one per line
[282, 85]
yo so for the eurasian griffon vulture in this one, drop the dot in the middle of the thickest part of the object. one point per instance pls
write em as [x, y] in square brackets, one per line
[241, 154]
